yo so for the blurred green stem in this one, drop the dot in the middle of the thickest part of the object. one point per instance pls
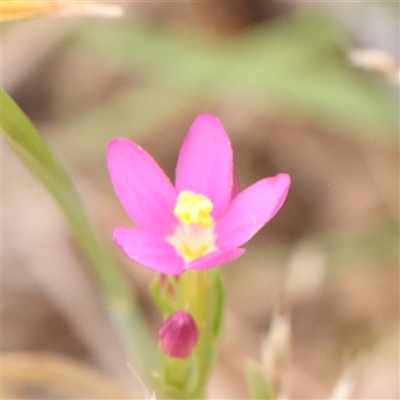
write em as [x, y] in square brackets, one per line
[30, 147]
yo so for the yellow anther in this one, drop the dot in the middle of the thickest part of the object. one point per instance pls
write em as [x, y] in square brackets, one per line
[194, 209]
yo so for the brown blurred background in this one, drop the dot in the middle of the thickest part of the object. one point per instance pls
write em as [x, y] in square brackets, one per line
[278, 75]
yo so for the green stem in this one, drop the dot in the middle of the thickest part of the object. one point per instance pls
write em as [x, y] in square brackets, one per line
[202, 295]
[27, 143]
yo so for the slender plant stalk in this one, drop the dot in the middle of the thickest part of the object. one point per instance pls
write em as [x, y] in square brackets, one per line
[30, 147]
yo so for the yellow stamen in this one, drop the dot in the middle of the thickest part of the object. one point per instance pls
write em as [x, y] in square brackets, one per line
[194, 209]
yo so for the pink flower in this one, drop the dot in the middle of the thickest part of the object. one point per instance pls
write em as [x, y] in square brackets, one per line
[178, 335]
[202, 221]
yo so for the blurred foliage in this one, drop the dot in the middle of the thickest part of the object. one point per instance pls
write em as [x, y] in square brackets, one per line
[258, 385]
[29, 372]
[375, 247]
[297, 65]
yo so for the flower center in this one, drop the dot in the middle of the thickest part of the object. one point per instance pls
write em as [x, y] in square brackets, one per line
[194, 209]
[194, 237]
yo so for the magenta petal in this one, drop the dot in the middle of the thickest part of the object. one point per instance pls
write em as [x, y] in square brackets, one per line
[215, 259]
[148, 249]
[143, 189]
[205, 163]
[235, 185]
[178, 335]
[251, 210]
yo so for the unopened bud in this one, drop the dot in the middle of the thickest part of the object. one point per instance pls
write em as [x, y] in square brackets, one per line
[178, 335]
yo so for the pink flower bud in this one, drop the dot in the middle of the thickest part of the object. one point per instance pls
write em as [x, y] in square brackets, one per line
[178, 335]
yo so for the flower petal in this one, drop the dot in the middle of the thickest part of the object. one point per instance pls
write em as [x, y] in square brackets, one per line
[148, 249]
[143, 189]
[235, 185]
[205, 163]
[251, 210]
[215, 259]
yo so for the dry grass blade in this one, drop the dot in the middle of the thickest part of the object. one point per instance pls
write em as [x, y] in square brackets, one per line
[22, 368]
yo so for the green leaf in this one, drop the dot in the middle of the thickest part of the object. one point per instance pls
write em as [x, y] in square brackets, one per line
[258, 386]
[30, 147]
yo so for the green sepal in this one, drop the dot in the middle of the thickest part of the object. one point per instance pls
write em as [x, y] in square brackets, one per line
[219, 295]
[164, 291]
[179, 377]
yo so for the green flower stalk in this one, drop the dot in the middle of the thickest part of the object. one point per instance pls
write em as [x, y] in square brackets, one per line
[200, 297]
